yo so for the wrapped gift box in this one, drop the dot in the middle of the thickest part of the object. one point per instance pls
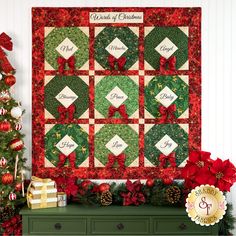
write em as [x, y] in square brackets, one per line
[41, 193]
[38, 203]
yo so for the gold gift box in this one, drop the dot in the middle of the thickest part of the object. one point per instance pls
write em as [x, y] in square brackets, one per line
[41, 193]
[38, 203]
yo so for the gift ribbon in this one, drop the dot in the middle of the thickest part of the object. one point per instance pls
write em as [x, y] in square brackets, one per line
[120, 62]
[43, 202]
[62, 159]
[62, 63]
[163, 159]
[167, 113]
[6, 43]
[170, 63]
[120, 159]
[121, 110]
[63, 111]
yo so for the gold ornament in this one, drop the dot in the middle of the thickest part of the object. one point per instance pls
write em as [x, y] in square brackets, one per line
[106, 198]
[173, 194]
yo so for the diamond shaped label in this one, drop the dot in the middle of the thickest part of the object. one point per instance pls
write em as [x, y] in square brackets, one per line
[116, 48]
[116, 97]
[66, 97]
[166, 145]
[116, 145]
[66, 48]
[166, 97]
[166, 48]
[66, 145]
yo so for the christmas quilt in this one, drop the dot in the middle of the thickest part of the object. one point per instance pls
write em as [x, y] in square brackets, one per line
[116, 91]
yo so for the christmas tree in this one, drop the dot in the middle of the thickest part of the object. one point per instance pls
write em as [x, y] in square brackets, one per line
[12, 163]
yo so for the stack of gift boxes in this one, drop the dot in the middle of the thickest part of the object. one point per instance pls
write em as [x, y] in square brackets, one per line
[42, 193]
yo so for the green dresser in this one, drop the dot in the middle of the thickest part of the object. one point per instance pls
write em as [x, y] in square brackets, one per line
[112, 220]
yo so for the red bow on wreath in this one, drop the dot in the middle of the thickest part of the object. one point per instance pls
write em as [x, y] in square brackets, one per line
[167, 113]
[5, 42]
[64, 111]
[62, 159]
[120, 160]
[170, 63]
[120, 62]
[62, 63]
[121, 109]
[163, 159]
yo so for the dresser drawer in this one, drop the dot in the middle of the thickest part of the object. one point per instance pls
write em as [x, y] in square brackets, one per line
[55, 225]
[120, 225]
[179, 225]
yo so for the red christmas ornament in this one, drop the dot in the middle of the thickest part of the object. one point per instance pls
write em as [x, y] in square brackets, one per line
[7, 178]
[10, 80]
[3, 111]
[18, 187]
[150, 182]
[5, 96]
[104, 187]
[86, 184]
[18, 126]
[5, 126]
[16, 144]
[3, 162]
[12, 196]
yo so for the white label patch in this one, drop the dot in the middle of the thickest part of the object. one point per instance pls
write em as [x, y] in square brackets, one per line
[66, 145]
[116, 145]
[166, 97]
[66, 48]
[116, 17]
[116, 97]
[66, 97]
[166, 145]
[116, 48]
[166, 48]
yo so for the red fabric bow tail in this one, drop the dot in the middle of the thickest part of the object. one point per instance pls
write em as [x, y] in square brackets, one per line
[167, 114]
[170, 63]
[62, 159]
[121, 110]
[64, 111]
[163, 160]
[6, 43]
[120, 62]
[62, 63]
[120, 160]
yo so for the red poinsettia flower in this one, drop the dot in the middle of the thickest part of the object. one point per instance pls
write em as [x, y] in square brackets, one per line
[222, 174]
[197, 160]
[134, 194]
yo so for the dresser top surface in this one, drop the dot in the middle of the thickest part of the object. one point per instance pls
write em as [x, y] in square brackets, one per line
[76, 209]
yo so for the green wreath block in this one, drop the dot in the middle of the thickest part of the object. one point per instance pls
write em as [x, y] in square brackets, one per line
[176, 85]
[106, 36]
[156, 36]
[156, 133]
[76, 36]
[126, 84]
[76, 133]
[125, 132]
[57, 84]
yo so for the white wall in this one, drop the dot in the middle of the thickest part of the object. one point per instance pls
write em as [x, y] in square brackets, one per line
[218, 58]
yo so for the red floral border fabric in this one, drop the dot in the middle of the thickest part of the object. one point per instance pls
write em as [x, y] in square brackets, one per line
[79, 17]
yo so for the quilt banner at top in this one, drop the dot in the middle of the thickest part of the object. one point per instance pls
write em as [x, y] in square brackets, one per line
[116, 91]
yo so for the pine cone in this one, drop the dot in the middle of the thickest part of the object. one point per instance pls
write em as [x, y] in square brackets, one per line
[173, 194]
[106, 198]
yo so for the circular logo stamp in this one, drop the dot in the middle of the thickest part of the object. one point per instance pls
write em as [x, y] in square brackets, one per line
[206, 205]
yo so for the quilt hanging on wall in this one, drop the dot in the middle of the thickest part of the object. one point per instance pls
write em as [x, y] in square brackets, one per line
[116, 91]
